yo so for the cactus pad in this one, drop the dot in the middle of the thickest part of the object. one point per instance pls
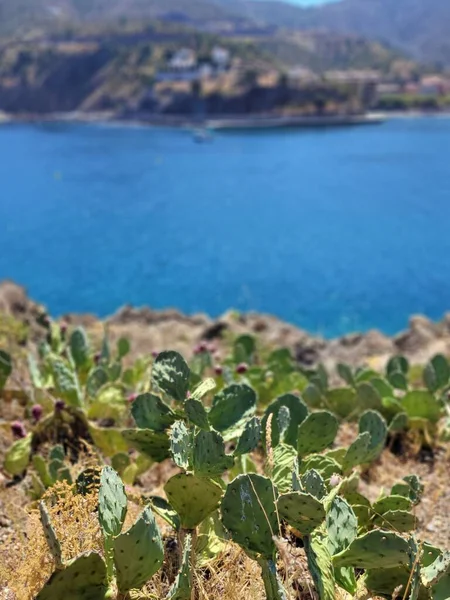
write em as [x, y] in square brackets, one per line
[272, 584]
[375, 550]
[438, 568]
[5, 368]
[313, 483]
[301, 511]
[248, 512]
[231, 408]
[153, 444]
[181, 445]
[196, 413]
[97, 378]
[209, 458]
[18, 456]
[50, 535]
[250, 437]
[316, 432]
[83, 579]
[373, 423]
[325, 465]
[342, 525]
[150, 412]
[389, 503]
[182, 586]
[357, 452]
[170, 373]
[283, 465]
[320, 565]
[194, 498]
[411, 487]
[66, 382]
[298, 411]
[138, 552]
[203, 388]
[112, 502]
[79, 347]
[423, 405]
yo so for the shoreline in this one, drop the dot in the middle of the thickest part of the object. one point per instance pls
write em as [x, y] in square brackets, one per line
[225, 123]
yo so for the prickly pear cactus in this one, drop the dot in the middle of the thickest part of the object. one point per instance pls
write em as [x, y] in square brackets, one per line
[436, 373]
[196, 413]
[209, 458]
[342, 528]
[138, 552]
[374, 550]
[422, 405]
[112, 502]
[302, 511]
[151, 443]
[5, 368]
[397, 520]
[438, 569]
[231, 408]
[410, 487]
[18, 456]
[82, 579]
[193, 498]
[325, 465]
[181, 445]
[182, 586]
[203, 388]
[316, 432]
[313, 483]
[320, 564]
[391, 503]
[40, 466]
[356, 452]
[248, 513]
[170, 373]
[250, 437]
[298, 412]
[150, 412]
[272, 585]
[66, 382]
[50, 536]
[373, 423]
[79, 347]
[283, 465]
[97, 378]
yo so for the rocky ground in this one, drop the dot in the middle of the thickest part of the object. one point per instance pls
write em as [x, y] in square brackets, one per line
[155, 330]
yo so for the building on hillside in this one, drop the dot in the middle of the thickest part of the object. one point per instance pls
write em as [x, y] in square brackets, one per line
[220, 58]
[184, 59]
[299, 75]
[434, 85]
[354, 76]
[389, 89]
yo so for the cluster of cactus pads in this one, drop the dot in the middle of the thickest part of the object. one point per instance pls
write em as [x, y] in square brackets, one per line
[306, 491]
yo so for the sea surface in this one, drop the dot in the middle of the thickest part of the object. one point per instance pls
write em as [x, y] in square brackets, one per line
[334, 230]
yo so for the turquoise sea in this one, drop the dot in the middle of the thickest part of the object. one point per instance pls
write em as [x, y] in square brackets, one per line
[334, 230]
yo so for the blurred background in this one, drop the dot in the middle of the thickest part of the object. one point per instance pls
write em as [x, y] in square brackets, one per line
[207, 155]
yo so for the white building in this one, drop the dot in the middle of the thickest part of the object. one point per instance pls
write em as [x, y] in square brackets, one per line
[183, 60]
[220, 57]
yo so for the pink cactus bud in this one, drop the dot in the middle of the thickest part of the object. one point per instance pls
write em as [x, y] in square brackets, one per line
[242, 368]
[36, 412]
[188, 394]
[63, 328]
[218, 370]
[155, 353]
[18, 429]
[60, 405]
[335, 480]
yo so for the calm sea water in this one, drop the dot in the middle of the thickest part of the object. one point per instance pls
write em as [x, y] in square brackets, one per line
[334, 230]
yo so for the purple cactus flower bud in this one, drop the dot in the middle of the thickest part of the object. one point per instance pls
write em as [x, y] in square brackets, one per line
[63, 328]
[60, 405]
[212, 348]
[18, 429]
[132, 397]
[155, 353]
[242, 368]
[97, 358]
[335, 480]
[36, 412]
[218, 370]
[188, 394]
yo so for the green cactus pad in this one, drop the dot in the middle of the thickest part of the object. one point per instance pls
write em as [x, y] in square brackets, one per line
[436, 373]
[342, 401]
[325, 465]
[272, 585]
[138, 552]
[367, 397]
[374, 550]
[108, 440]
[389, 503]
[150, 412]
[397, 363]
[153, 444]
[203, 388]
[66, 382]
[97, 378]
[50, 535]
[422, 404]
[40, 466]
[196, 413]
[231, 408]
[283, 465]
[209, 458]
[436, 570]
[313, 483]
[163, 509]
[298, 411]
[79, 347]
[384, 582]
[357, 452]
[345, 373]
[181, 445]
[410, 487]
[18, 456]
[193, 498]
[316, 432]
[170, 373]
[248, 512]
[361, 507]
[399, 423]
[372, 422]
[83, 579]
[250, 437]
[313, 396]
[301, 511]
[112, 502]
[320, 565]
[342, 525]
[182, 586]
